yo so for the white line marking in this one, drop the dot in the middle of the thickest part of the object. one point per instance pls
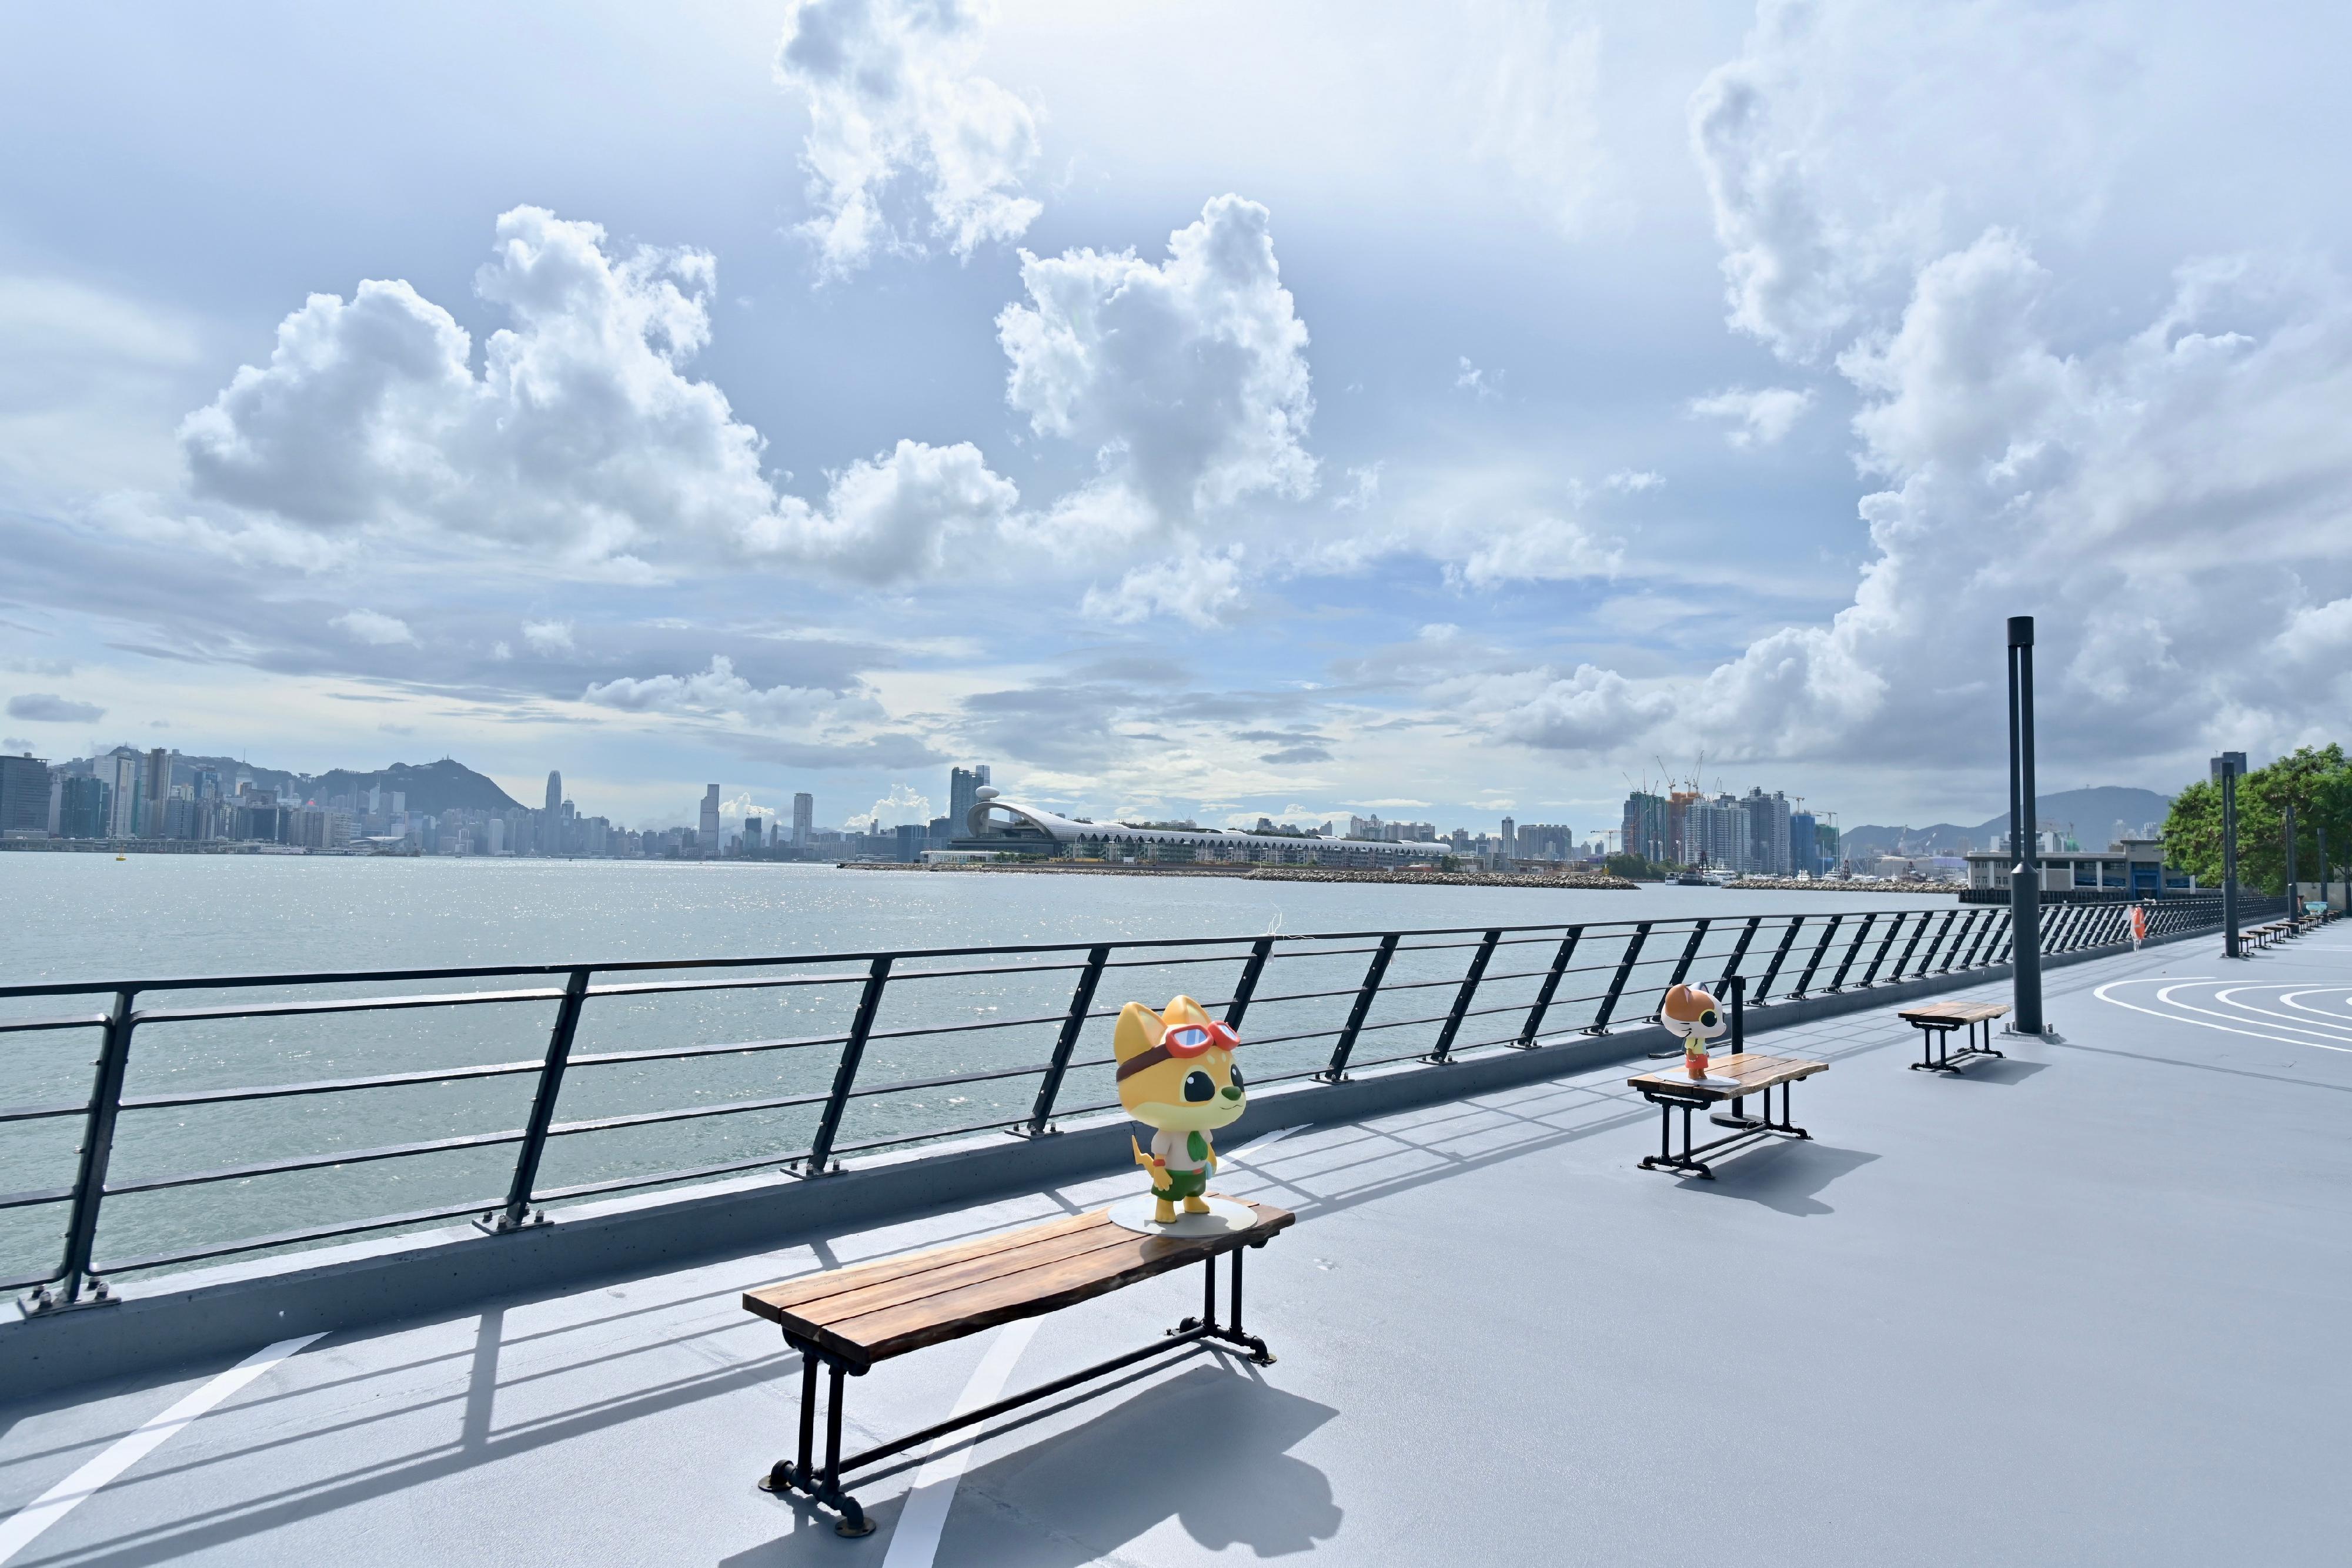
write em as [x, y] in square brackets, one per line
[1254, 1145]
[916, 1540]
[62, 1498]
[2101, 992]
[2230, 999]
[2165, 996]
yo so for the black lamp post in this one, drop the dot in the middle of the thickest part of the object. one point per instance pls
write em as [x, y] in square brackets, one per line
[2025, 874]
[2225, 768]
[2294, 903]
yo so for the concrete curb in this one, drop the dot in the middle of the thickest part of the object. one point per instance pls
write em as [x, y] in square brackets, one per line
[221, 1313]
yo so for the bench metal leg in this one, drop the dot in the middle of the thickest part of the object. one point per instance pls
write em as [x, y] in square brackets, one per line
[1206, 1325]
[1746, 1131]
[1938, 1057]
[823, 1486]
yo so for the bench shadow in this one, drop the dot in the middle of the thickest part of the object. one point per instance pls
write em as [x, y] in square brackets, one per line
[1786, 1176]
[1209, 1448]
[2000, 1070]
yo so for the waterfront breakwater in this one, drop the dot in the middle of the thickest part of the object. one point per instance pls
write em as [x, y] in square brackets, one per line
[1583, 881]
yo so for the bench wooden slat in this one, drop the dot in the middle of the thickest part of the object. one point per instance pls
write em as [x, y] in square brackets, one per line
[811, 1288]
[1754, 1074]
[933, 1297]
[1954, 1012]
[914, 1285]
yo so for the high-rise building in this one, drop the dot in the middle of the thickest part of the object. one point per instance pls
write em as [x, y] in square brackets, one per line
[1645, 826]
[154, 788]
[1508, 846]
[707, 837]
[755, 838]
[122, 771]
[554, 791]
[805, 819]
[82, 808]
[964, 785]
[1767, 831]
[1804, 845]
[24, 795]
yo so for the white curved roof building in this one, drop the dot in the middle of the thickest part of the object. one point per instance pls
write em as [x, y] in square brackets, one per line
[994, 822]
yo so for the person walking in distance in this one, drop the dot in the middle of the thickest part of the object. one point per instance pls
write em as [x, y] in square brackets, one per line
[2138, 924]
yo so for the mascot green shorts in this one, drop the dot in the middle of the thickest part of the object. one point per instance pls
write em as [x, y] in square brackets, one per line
[1183, 1184]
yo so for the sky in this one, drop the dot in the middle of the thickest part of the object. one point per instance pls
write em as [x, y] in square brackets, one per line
[1189, 409]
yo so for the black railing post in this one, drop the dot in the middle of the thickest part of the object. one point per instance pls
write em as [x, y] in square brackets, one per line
[90, 1174]
[1074, 1023]
[1805, 980]
[1981, 928]
[516, 1212]
[1739, 952]
[1927, 918]
[1461, 1008]
[1246, 988]
[853, 1050]
[1600, 1024]
[1550, 988]
[1379, 966]
[1780, 957]
[1878, 960]
[1853, 951]
[1941, 942]
[1682, 964]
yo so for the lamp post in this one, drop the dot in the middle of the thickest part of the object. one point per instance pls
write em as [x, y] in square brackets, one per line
[2025, 876]
[2294, 903]
[2225, 769]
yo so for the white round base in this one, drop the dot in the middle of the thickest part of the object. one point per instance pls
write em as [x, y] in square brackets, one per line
[1223, 1218]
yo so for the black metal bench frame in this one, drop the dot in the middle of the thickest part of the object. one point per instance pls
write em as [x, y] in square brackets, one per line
[1936, 1043]
[1746, 1130]
[825, 1485]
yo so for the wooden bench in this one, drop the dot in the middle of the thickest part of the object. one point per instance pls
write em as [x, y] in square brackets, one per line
[1744, 1074]
[1939, 1021]
[849, 1318]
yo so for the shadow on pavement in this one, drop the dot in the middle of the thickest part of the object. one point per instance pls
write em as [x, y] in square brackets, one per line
[1785, 1176]
[2001, 1070]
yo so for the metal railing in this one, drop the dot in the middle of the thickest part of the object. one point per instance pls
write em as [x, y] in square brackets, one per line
[1323, 1006]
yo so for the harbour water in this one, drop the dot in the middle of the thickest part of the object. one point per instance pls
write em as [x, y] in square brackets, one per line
[92, 917]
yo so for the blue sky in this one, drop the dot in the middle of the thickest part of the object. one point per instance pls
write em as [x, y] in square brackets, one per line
[1188, 409]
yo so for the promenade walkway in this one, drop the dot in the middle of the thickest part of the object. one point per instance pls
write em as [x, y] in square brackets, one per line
[2082, 1306]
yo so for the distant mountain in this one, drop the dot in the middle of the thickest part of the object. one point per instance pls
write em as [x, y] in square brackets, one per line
[2096, 817]
[433, 786]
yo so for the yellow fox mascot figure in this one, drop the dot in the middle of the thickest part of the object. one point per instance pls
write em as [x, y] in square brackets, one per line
[1176, 1074]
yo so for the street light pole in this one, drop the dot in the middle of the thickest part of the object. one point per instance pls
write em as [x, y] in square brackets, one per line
[2294, 902]
[2025, 874]
[2226, 766]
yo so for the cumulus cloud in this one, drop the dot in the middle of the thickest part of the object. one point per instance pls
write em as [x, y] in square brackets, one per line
[1633, 481]
[2155, 497]
[1478, 382]
[375, 629]
[1759, 418]
[582, 433]
[547, 636]
[894, 98]
[903, 804]
[1204, 589]
[47, 708]
[1188, 379]
[718, 691]
[1540, 546]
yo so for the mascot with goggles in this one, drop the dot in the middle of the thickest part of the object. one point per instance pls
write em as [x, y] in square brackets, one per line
[1176, 1075]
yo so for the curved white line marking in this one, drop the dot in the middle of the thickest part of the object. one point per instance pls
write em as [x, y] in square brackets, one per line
[2101, 992]
[2166, 996]
[2289, 999]
[2228, 999]
[70, 1493]
[915, 1542]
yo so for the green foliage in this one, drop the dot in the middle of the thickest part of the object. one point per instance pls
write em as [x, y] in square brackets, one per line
[2317, 781]
[1633, 868]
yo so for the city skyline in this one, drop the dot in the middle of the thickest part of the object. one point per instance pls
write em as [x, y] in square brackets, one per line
[1584, 386]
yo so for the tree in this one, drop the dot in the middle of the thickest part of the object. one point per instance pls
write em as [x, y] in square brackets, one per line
[2317, 781]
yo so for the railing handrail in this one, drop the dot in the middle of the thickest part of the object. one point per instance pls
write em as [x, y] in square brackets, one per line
[859, 956]
[1964, 937]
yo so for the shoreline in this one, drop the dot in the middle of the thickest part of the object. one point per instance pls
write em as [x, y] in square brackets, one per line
[1269, 874]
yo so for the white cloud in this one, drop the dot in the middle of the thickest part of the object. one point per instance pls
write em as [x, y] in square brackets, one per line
[1363, 489]
[902, 805]
[718, 691]
[582, 431]
[1762, 417]
[1542, 121]
[898, 515]
[1633, 481]
[1188, 379]
[378, 631]
[1540, 546]
[1474, 380]
[502, 649]
[893, 95]
[1204, 589]
[547, 636]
